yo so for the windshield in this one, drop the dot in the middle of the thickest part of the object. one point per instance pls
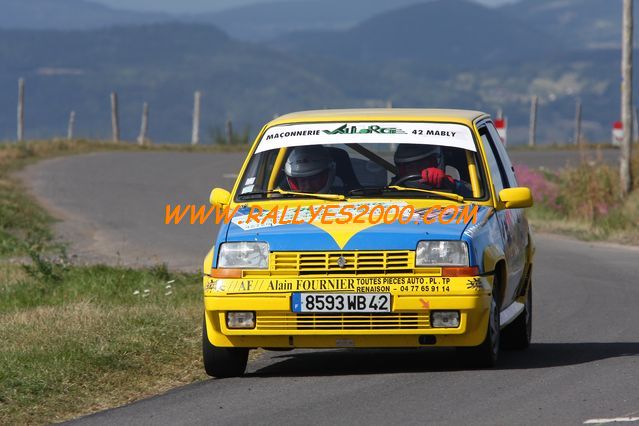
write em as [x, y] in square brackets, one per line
[387, 160]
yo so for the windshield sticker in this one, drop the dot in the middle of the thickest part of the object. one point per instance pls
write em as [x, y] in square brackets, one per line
[346, 130]
[395, 284]
[443, 134]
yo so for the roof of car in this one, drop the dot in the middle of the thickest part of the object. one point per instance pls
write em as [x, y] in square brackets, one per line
[380, 114]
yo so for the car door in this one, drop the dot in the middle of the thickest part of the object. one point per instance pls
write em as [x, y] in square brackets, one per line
[511, 222]
[520, 222]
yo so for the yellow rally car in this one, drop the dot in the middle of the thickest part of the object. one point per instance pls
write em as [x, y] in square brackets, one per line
[370, 228]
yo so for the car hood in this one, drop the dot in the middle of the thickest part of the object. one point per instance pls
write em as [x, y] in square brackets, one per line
[329, 237]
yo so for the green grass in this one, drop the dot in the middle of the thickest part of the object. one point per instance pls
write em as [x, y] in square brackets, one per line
[585, 202]
[93, 337]
[22, 222]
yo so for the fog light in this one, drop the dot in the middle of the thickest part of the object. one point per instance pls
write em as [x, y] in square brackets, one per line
[240, 319]
[444, 319]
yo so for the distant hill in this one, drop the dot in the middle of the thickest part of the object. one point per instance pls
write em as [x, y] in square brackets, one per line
[444, 54]
[263, 21]
[577, 23]
[68, 15]
[438, 32]
[162, 64]
[581, 23]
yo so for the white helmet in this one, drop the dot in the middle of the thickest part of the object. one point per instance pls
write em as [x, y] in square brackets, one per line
[310, 169]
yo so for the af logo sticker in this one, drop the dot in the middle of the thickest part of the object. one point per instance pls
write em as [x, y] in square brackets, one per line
[245, 286]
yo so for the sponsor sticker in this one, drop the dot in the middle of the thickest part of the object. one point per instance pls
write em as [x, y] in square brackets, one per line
[291, 135]
[401, 284]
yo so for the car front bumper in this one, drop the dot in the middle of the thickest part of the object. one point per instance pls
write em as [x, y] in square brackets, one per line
[407, 325]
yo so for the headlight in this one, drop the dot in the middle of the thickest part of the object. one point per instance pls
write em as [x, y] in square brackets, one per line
[441, 253]
[246, 255]
[444, 319]
[240, 319]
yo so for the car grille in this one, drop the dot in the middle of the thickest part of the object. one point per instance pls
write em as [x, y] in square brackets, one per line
[346, 321]
[354, 262]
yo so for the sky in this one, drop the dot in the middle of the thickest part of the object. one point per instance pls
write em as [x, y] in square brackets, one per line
[195, 6]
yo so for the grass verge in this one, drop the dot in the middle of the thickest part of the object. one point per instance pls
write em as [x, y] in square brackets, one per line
[78, 339]
[584, 202]
[93, 337]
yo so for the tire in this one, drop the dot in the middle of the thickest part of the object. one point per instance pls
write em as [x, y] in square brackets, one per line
[486, 354]
[222, 362]
[516, 336]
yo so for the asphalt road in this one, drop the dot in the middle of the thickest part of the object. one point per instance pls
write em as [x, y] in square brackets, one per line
[112, 205]
[583, 363]
[556, 159]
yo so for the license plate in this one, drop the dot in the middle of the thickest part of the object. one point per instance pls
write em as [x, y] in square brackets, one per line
[331, 302]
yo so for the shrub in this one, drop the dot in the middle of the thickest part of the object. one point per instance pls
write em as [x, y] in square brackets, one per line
[589, 192]
[545, 192]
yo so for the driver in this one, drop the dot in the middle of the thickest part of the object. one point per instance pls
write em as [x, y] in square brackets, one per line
[310, 169]
[427, 161]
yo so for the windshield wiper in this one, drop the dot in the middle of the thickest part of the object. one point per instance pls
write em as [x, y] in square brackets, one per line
[295, 193]
[382, 189]
[447, 195]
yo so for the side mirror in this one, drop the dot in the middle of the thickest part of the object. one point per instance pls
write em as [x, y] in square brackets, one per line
[516, 198]
[219, 197]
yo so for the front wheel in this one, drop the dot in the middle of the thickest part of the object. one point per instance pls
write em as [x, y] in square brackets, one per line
[222, 362]
[485, 355]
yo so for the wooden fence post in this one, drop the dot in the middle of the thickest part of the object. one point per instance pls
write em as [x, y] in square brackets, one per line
[71, 126]
[115, 121]
[195, 132]
[532, 131]
[142, 139]
[578, 124]
[20, 110]
[229, 131]
[625, 159]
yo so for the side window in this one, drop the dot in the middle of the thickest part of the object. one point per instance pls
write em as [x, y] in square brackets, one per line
[505, 159]
[258, 171]
[495, 167]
